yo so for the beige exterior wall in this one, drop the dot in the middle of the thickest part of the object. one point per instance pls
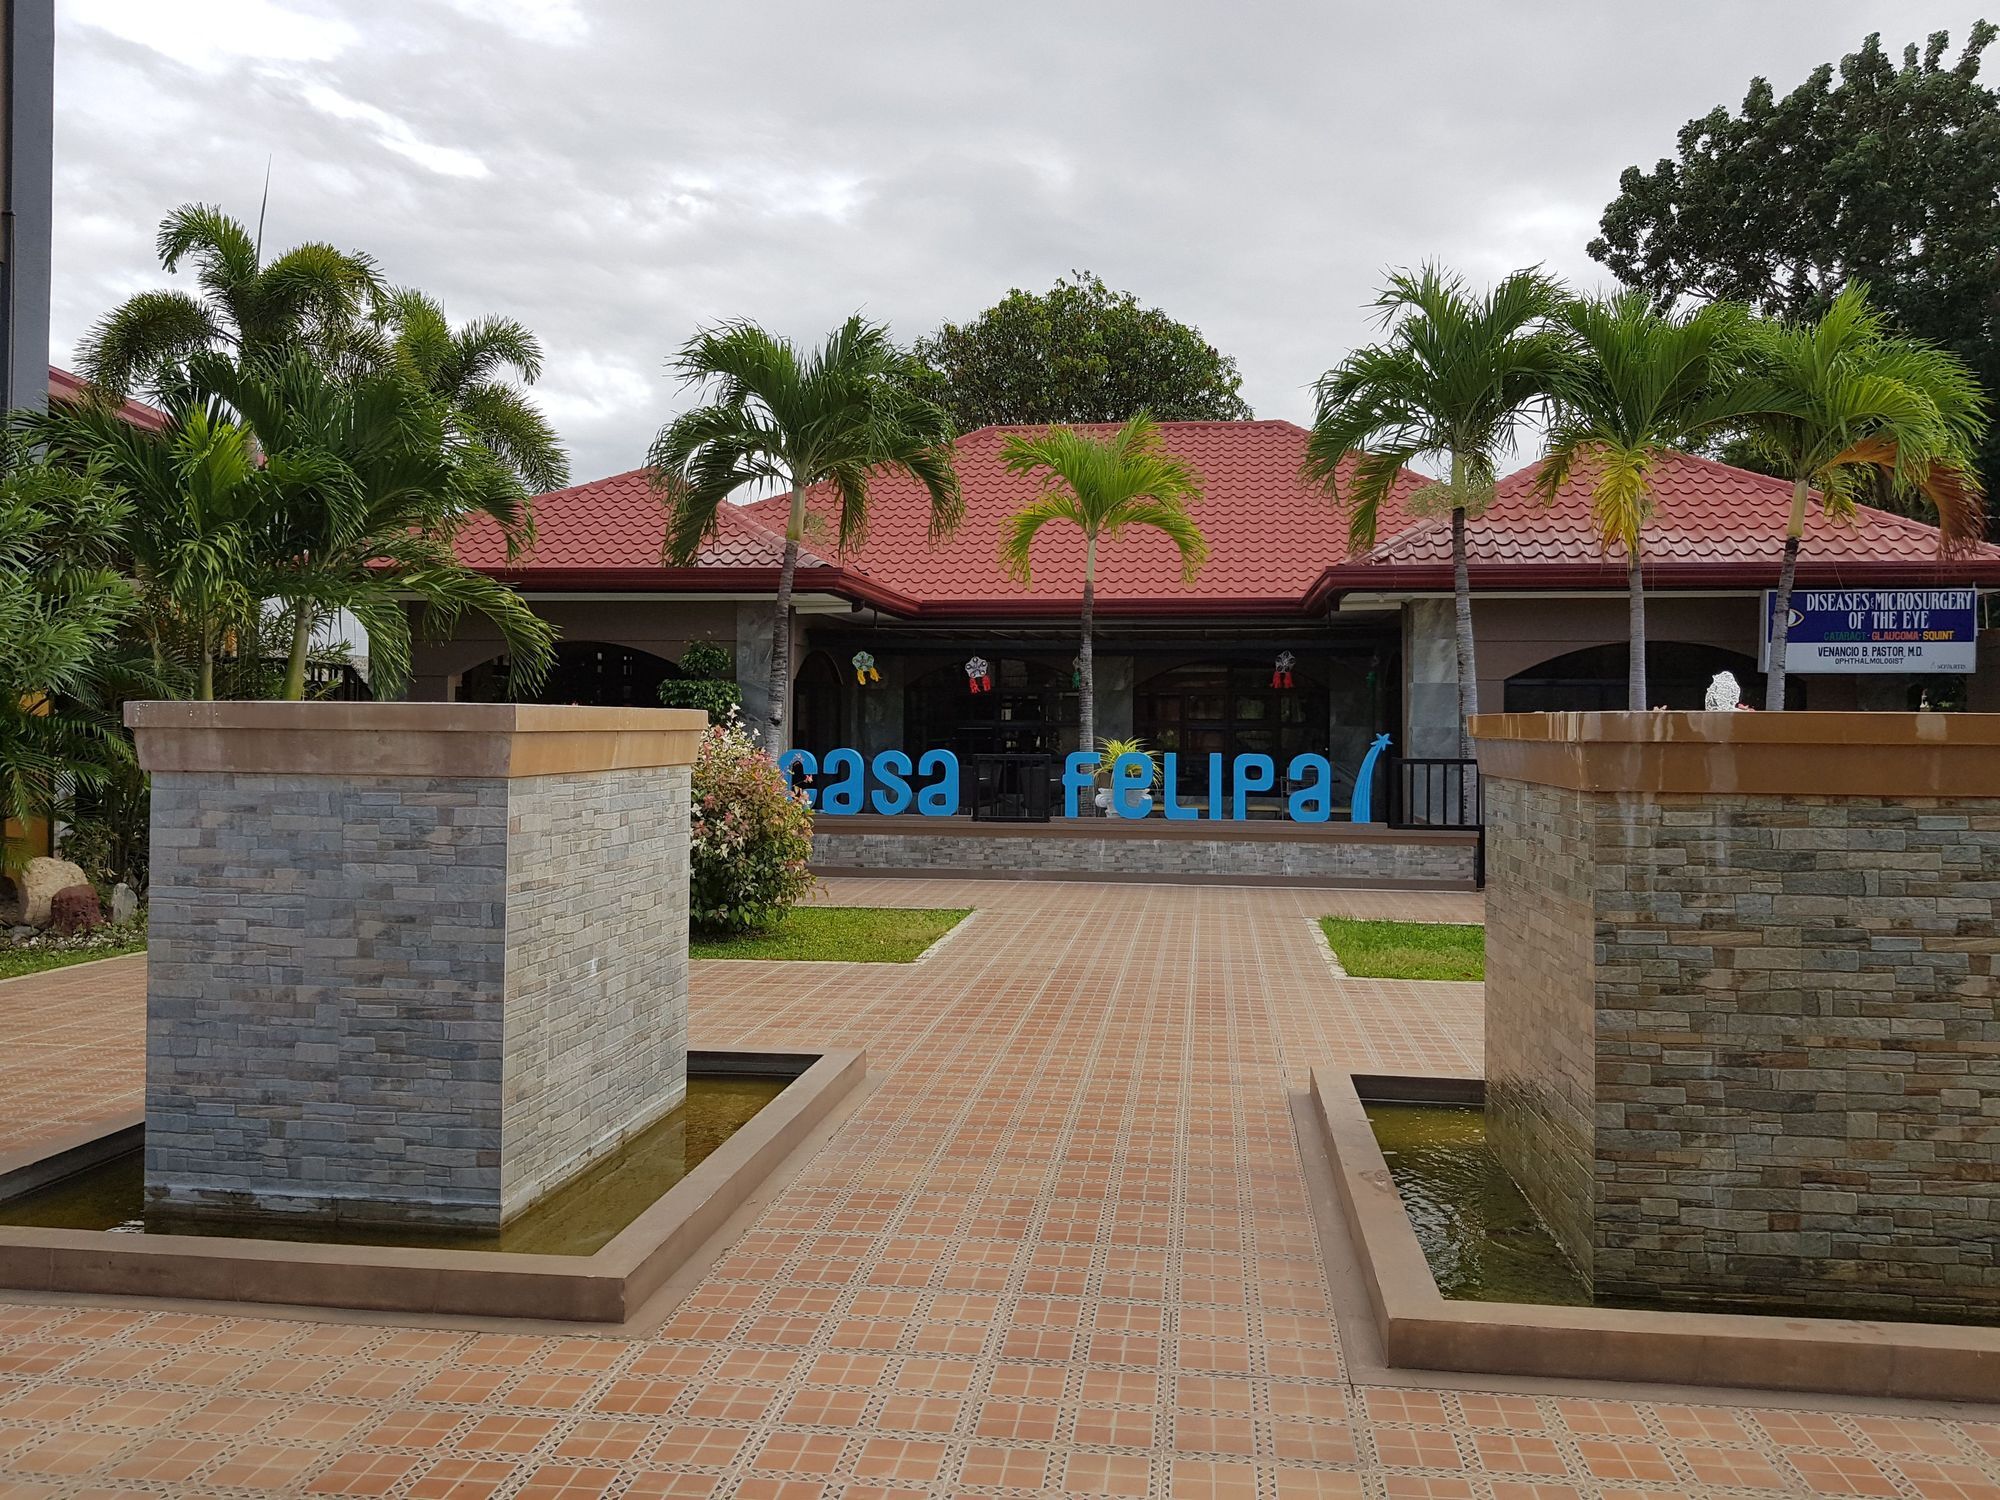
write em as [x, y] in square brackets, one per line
[662, 627]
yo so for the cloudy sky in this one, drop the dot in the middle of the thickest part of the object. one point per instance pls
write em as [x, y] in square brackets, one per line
[615, 172]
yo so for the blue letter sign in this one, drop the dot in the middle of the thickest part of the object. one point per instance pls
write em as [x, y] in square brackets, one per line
[888, 784]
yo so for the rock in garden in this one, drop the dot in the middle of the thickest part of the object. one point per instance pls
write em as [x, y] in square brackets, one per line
[75, 909]
[38, 882]
[20, 934]
[124, 903]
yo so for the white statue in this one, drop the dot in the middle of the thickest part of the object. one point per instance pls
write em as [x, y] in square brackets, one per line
[1724, 696]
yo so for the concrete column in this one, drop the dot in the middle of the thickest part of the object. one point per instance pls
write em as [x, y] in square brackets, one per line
[1430, 679]
[409, 963]
[1114, 677]
[753, 661]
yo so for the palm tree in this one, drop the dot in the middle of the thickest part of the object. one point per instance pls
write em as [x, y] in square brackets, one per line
[311, 297]
[1101, 486]
[62, 605]
[1842, 403]
[775, 414]
[1644, 382]
[199, 495]
[374, 481]
[467, 369]
[1452, 383]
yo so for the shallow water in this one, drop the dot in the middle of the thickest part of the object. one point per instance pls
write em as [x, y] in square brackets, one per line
[1484, 1243]
[576, 1220]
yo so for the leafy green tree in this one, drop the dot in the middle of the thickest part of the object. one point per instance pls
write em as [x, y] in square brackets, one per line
[707, 682]
[62, 606]
[1883, 173]
[1102, 487]
[838, 415]
[1452, 383]
[312, 297]
[1643, 383]
[1078, 353]
[1838, 401]
[468, 368]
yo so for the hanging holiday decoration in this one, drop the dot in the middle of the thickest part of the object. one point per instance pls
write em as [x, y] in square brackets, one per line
[1076, 671]
[1281, 675]
[864, 668]
[978, 676]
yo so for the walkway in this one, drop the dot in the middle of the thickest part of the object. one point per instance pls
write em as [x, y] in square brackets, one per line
[1063, 1248]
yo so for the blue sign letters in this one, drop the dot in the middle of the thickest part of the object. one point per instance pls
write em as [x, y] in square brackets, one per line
[889, 784]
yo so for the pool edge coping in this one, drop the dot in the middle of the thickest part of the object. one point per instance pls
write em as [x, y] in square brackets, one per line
[608, 1286]
[1420, 1328]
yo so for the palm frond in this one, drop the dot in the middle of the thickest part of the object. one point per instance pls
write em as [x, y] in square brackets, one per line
[144, 335]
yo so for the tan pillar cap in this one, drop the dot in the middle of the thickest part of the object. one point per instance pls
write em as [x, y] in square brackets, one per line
[410, 739]
[1806, 754]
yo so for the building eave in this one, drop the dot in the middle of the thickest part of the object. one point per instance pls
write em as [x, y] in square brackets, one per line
[1665, 577]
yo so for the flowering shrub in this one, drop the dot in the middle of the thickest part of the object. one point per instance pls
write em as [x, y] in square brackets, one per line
[752, 836]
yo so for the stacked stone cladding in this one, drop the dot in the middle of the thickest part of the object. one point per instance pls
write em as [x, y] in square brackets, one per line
[1794, 1029]
[408, 997]
[1415, 861]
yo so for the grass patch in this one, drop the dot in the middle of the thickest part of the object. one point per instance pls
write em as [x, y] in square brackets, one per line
[839, 934]
[1407, 950]
[14, 962]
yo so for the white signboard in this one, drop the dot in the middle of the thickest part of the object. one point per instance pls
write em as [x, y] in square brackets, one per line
[1876, 630]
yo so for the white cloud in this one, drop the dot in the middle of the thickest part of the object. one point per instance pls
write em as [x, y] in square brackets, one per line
[615, 172]
[396, 134]
[211, 34]
[560, 21]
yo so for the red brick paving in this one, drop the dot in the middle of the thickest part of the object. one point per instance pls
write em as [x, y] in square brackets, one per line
[1064, 1248]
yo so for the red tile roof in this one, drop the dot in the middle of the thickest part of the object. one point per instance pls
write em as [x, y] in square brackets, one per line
[1712, 524]
[64, 386]
[1277, 545]
[1269, 533]
[618, 523]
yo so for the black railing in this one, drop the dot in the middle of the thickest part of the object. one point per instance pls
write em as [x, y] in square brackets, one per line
[1434, 792]
[1012, 788]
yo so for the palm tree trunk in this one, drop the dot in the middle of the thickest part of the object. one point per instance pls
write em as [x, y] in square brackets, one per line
[295, 663]
[205, 690]
[1635, 679]
[1781, 623]
[781, 627]
[1087, 681]
[1468, 667]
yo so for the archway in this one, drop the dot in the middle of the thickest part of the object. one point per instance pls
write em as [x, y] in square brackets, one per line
[1677, 676]
[586, 672]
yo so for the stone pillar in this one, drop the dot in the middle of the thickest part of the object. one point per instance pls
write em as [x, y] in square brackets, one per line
[1430, 680]
[1743, 1001]
[409, 963]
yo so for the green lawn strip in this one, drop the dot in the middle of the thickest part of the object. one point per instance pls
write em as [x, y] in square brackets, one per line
[1407, 950]
[14, 962]
[839, 934]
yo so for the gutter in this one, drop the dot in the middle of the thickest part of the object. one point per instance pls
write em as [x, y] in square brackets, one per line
[1344, 578]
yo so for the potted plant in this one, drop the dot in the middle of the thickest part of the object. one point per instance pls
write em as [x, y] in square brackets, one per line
[1141, 804]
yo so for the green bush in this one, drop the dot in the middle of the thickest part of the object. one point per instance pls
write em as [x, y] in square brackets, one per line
[751, 836]
[709, 683]
[706, 659]
[719, 699]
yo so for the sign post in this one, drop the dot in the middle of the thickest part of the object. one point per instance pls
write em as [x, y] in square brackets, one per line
[1876, 630]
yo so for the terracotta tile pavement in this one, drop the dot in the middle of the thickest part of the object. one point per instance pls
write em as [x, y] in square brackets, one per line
[1063, 1248]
